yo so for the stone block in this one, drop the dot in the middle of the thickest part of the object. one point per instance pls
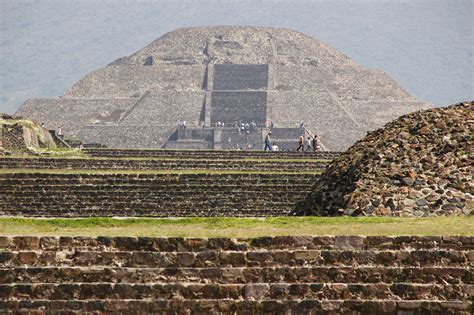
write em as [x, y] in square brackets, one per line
[26, 242]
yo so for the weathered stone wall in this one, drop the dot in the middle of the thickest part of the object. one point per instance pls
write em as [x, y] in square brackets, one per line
[122, 136]
[70, 114]
[168, 107]
[328, 119]
[132, 81]
[282, 275]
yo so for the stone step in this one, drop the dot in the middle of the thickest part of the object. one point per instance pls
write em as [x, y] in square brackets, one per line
[144, 177]
[170, 181]
[148, 210]
[67, 163]
[254, 291]
[272, 258]
[178, 244]
[183, 211]
[17, 189]
[145, 196]
[215, 154]
[356, 274]
[229, 306]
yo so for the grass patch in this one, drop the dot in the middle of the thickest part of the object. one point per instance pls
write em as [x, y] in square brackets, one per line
[239, 227]
[151, 172]
[58, 153]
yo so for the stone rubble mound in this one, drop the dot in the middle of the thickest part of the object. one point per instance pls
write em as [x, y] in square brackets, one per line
[418, 165]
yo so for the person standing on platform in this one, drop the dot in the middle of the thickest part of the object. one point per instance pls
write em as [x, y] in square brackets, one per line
[268, 143]
[308, 144]
[301, 144]
[316, 143]
[59, 132]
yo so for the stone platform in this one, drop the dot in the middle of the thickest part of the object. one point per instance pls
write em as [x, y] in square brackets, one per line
[159, 183]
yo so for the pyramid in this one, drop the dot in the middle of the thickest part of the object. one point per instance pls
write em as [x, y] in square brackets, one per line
[227, 74]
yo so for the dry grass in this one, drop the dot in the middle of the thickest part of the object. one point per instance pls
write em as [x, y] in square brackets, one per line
[239, 227]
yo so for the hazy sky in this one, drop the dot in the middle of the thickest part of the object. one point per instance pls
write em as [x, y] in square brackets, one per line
[47, 46]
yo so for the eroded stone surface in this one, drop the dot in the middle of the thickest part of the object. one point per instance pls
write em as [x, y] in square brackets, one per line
[417, 165]
[277, 275]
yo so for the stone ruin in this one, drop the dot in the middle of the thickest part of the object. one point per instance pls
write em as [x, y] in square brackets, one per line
[205, 75]
[18, 135]
[418, 165]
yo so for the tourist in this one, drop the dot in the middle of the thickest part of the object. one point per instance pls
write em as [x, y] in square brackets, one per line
[301, 144]
[59, 132]
[316, 143]
[42, 125]
[275, 147]
[268, 143]
[184, 124]
[302, 124]
[308, 144]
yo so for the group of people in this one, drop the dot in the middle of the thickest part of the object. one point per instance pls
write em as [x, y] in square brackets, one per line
[313, 144]
[182, 124]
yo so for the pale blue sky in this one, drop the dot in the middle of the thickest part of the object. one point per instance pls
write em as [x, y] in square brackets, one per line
[47, 46]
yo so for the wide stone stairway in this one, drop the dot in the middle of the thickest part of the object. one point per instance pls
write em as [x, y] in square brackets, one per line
[152, 195]
[271, 275]
[159, 183]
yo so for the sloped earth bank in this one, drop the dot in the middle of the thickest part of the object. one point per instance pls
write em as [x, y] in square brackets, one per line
[418, 165]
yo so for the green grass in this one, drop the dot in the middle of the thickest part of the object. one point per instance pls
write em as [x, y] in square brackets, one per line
[148, 172]
[57, 153]
[239, 227]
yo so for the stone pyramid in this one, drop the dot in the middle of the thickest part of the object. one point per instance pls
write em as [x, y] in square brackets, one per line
[204, 75]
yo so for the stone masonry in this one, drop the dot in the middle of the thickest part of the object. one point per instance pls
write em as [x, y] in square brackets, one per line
[267, 275]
